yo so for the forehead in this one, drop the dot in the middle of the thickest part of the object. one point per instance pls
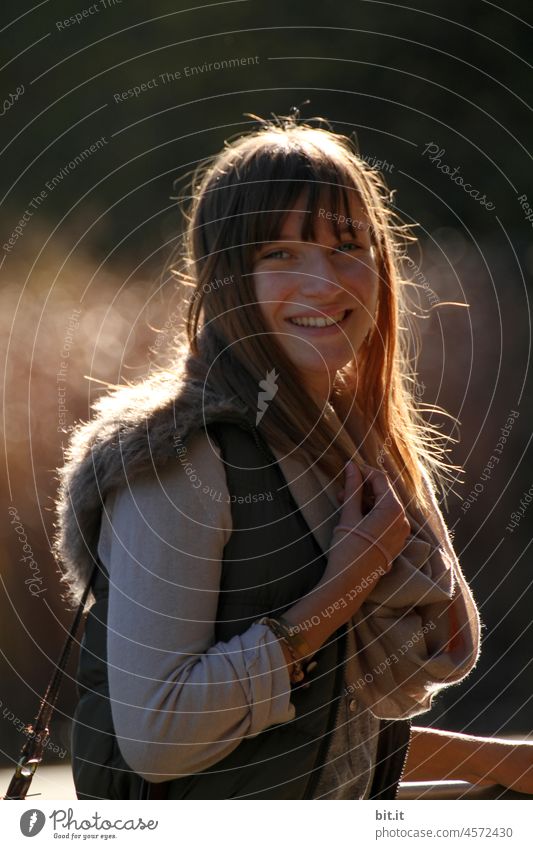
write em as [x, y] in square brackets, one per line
[328, 215]
[321, 190]
[325, 219]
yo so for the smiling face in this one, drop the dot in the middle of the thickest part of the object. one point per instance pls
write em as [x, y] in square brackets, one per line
[319, 297]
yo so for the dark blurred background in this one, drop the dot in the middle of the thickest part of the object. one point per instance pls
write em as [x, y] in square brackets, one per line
[86, 289]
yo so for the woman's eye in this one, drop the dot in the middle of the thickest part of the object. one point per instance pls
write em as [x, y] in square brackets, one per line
[351, 246]
[275, 254]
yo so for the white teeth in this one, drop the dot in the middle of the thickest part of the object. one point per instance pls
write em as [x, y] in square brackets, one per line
[307, 321]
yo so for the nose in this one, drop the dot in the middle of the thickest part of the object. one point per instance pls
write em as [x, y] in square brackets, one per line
[317, 276]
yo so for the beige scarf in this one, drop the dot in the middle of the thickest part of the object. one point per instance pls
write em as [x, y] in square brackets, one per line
[418, 631]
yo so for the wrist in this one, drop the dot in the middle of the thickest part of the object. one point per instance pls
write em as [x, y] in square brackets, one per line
[350, 564]
[295, 648]
[371, 540]
[289, 660]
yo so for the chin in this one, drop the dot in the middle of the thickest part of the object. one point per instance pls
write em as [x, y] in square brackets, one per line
[317, 373]
[317, 367]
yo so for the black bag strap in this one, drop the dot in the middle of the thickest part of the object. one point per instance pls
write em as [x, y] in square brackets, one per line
[32, 751]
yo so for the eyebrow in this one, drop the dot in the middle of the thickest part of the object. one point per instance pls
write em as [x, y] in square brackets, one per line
[288, 237]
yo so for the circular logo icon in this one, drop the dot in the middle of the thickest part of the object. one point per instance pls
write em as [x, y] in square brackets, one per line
[32, 822]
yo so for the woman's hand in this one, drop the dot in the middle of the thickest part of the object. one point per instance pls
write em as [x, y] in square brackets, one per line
[386, 520]
[354, 564]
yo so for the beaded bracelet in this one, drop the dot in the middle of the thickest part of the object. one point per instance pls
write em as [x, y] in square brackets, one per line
[294, 642]
[370, 538]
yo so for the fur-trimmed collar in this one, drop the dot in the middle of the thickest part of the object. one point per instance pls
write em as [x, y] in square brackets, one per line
[135, 427]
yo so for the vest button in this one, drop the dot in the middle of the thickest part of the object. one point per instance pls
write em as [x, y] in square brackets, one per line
[352, 705]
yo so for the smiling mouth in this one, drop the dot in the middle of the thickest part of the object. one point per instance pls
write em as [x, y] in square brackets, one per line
[320, 321]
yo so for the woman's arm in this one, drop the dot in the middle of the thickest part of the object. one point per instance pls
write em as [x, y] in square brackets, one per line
[436, 755]
[181, 701]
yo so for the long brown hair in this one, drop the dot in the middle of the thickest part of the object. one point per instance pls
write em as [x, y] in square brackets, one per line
[238, 201]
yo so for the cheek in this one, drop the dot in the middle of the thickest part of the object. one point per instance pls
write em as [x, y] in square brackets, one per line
[265, 294]
[271, 292]
[365, 287]
[261, 293]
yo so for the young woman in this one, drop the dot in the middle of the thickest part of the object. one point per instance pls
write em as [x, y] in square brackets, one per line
[275, 590]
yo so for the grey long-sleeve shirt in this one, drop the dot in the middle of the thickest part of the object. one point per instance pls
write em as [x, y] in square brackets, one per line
[180, 701]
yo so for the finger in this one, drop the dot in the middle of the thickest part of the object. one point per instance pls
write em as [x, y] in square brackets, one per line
[353, 475]
[353, 485]
[378, 479]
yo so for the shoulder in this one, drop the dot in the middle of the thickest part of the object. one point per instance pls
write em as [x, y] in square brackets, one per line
[137, 423]
[134, 433]
[194, 478]
[196, 475]
[185, 504]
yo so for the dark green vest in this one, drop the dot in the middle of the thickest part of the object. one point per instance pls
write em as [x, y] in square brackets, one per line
[270, 561]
